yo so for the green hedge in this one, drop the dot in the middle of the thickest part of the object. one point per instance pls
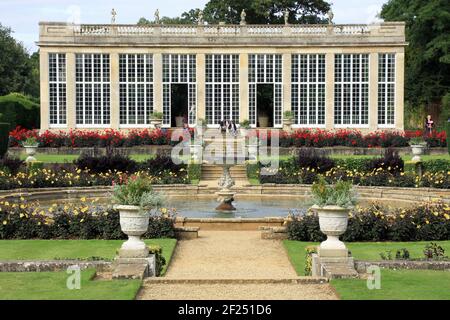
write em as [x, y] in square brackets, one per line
[194, 171]
[19, 110]
[4, 138]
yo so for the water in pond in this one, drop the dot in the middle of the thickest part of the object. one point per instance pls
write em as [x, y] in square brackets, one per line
[194, 207]
[245, 208]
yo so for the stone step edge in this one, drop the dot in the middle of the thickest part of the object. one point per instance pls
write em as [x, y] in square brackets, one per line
[299, 280]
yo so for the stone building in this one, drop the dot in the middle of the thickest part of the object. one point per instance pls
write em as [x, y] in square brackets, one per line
[115, 76]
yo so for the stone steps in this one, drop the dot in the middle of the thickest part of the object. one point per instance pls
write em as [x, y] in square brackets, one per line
[297, 280]
[211, 172]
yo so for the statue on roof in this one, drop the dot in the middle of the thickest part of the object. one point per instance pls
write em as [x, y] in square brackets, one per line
[157, 18]
[201, 21]
[286, 17]
[243, 16]
[113, 16]
[330, 16]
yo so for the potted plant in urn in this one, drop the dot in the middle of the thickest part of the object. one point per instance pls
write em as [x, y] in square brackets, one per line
[134, 200]
[333, 204]
[418, 145]
[30, 144]
[156, 119]
[288, 118]
[244, 126]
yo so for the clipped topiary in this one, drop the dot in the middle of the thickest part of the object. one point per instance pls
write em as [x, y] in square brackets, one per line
[4, 138]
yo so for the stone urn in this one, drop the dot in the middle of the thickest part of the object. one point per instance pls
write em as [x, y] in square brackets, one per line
[196, 152]
[287, 124]
[31, 152]
[134, 223]
[417, 151]
[156, 123]
[333, 221]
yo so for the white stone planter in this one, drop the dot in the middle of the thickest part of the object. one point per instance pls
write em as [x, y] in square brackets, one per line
[31, 152]
[196, 152]
[333, 222]
[417, 151]
[287, 124]
[243, 132]
[156, 123]
[134, 223]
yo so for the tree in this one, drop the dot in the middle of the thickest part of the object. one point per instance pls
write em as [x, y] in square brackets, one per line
[427, 78]
[16, 68]
[266, 11]
[258, 12]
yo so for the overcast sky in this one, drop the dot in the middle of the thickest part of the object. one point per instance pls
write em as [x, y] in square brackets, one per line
[23, 16]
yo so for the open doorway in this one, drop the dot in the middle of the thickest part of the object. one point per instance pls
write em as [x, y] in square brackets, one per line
[179, 107]
[265, 106]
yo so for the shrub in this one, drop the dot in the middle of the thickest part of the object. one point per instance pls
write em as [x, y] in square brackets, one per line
[308, 260]
[19, 110]
[310, 158]
[12, 165]
[82, 221]
[4, 132]
[425, 222]
[109, 163]
[433, 251]
[161, 163]
[391, 162]
[435, 166]
[353, 164]
[194, 171]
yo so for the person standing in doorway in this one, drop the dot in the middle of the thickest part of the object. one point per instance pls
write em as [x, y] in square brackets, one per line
[429, 126]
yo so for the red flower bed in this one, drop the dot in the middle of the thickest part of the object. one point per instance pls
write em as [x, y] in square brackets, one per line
[299, 138]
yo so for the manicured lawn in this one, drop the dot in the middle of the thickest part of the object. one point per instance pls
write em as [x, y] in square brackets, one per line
[53, 286]
[360, 251]
[395, 284]
[73, 249]
[398, 285]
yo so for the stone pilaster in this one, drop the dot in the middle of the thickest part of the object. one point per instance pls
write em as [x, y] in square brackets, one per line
[287, 80]
[400, 90]
[201, 86]
[329, 91]
[43, 63]
[115, 92]
[70, 89]
[243, 87]
[373, 91]
[157, 82]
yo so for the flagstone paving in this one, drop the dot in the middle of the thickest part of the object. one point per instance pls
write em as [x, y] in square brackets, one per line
[229, 258]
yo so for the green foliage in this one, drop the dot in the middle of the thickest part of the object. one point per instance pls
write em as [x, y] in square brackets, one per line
[386, 255]
[340, 194]
[424, 222]
[68, 222]
[264, 12]
[4, 138]
[309, 251]
[258, 12]
[30, 142]
[19, 110]
[433, 251]
[438, 165]
[288, 115]
[417, 141]
[428, 52]
[253, 170]
[137, 191]
[194, 171]
[156, 115]
[19, 72]
[245, 124]
[402, 254]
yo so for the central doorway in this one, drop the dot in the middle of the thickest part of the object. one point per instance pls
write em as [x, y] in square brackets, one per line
[179, 97]
[264, 102]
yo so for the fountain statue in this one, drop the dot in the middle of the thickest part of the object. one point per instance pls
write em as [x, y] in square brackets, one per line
[226, 195]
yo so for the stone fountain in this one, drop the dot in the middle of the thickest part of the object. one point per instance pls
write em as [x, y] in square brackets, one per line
[226, 195]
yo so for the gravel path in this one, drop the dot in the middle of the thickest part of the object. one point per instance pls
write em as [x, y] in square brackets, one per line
[230, 255]
[223, 255]
[254, 291]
